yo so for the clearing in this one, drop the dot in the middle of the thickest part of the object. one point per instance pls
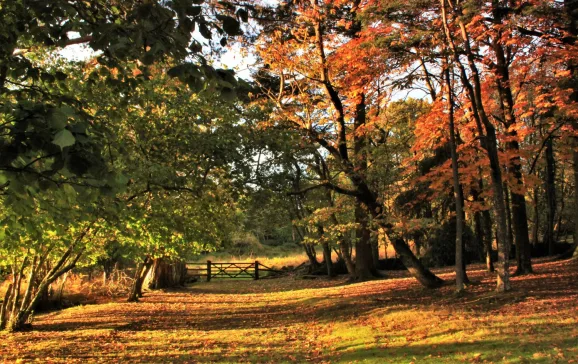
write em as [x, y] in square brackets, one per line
[289, 320]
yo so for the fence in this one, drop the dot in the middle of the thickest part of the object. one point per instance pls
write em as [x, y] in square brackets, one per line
[228, 270]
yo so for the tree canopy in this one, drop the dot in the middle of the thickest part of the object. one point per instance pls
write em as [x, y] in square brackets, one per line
[445, 130]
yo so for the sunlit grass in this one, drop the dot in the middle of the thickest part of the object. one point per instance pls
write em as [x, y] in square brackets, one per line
[278, 257]
[290, 320]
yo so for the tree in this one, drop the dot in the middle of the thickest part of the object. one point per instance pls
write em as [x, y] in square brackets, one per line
[307, 83]
[459, 199]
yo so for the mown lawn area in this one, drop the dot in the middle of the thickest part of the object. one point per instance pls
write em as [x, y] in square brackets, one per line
[289, 320]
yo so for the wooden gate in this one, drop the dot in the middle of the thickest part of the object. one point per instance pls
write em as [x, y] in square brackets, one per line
[228, 270]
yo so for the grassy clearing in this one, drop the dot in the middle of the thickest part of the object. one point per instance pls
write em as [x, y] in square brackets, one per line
[288, 320]
[272, 256]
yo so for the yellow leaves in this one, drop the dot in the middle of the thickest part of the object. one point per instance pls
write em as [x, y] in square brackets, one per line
[285, 320]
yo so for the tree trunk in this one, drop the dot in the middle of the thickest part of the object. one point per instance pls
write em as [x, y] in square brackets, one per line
[520, 222]
[375, 253]
[363, 253]
[458, 198]
[15, 323]
[60, 293]
[312, 256]
[344, 245]
[571, 8]
[536, 220]
[141, 272]
[328, 261]
[345, 249]
[479, 236]
[484, 220]
[414, 266]
[166, 274]
[20, 317]
[558, 226]
[4, 308]
[326, 252]
[107, 268]
[573, 252]
[503, 265]
[488, 239]
[364, 268]
[488, 138]
[36, 264]
[520, 219]
[19, 320]
[550, 196]
[408, 258]
[356, 171]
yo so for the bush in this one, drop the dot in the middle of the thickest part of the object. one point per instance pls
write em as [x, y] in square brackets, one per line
[245, 243]
[440, 248]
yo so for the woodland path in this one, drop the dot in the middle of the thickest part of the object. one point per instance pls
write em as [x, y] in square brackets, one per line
[289, 320]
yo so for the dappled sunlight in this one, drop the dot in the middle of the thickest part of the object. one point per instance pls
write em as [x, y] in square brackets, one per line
[389, 320]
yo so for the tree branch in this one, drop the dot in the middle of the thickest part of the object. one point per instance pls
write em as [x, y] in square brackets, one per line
[327, 185]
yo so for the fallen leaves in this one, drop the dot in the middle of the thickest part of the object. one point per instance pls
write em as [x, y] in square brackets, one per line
[288, 320]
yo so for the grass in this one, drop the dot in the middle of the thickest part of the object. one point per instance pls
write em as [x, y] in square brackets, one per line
[272, 256]
[289, 320]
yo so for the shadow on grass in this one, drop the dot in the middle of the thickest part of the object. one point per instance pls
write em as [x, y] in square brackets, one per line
[256, 327]
[485, 350]
[191, 310]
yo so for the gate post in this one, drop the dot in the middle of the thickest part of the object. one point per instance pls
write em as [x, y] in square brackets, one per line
[256, 270]
[208, 270]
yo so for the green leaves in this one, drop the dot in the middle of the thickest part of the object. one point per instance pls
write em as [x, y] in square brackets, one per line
[231, 26]
[193, 10]
[243, 15]
[205, 31]
[64, 138]
[59, 117]
[228, 94]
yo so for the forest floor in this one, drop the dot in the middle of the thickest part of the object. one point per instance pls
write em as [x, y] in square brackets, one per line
[288, 320]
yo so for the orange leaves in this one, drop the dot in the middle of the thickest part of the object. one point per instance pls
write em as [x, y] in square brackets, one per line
[290, 320]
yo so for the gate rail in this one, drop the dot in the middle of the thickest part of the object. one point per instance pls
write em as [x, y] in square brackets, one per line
[228, 270]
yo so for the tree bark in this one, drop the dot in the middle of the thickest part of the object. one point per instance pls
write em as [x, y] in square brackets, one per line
[140, 273]
[15, 322]
[573, 252]
[345, 249]
[312, 256]
[479, 235]
[326, 252]
[414, 266]
[364, 269]
[19, 319]
[520, 218]
[488, 238]
[375, 252]
[510, 230]
[536, 220]
[571, 8]
[328, 261]
[355, 174]
[4, 308]
[107, 269]
[549, 239]
[458, 198]
[488, 139]
[166, 274]
[484, 220]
